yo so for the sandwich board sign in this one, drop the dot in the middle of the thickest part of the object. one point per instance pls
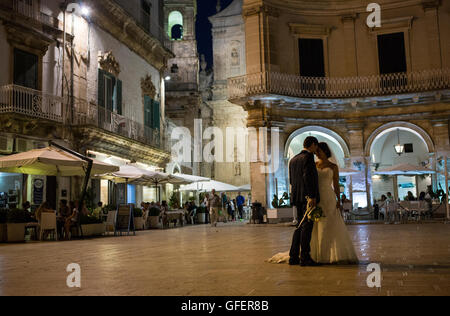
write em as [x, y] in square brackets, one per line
[125, 220]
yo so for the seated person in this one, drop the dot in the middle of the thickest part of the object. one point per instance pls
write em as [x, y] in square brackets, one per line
[98, 210]
[44, 208]
[72, 220]
[63, 214]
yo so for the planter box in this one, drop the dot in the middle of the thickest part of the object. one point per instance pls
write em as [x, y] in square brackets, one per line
[201, 218]
[154, 221]
[139, 223]
[16, 232]
[3, 233]
[280, 215]
[93, 230]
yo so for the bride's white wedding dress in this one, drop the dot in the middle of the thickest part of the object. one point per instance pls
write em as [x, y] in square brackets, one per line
[331, 242]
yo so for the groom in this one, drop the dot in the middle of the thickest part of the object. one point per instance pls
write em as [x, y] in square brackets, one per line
[305, 183]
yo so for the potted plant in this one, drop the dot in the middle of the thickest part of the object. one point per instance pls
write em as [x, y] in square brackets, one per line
[92, 226]
[153, 217]
[16, 221]
[201, 214]
[174, 203]
[138, 219]
[3, 220]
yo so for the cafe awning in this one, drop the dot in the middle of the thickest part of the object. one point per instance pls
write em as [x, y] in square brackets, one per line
[51, 161]
[347, 172]
[405, 170]
[209, 186]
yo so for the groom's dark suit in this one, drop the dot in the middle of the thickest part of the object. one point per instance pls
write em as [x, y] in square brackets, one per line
[305, 183]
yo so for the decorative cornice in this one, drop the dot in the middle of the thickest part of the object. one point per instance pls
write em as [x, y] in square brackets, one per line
[309, 29]
[113, 19]
[396, 23]
[108, 62]
[148, 88]
[18, 35]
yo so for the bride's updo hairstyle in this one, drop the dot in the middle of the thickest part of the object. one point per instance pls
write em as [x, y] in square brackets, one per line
[326, 150]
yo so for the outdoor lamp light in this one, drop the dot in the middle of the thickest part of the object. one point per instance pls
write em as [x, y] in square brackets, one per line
[167, 78]
[399, 148]
[85, 11]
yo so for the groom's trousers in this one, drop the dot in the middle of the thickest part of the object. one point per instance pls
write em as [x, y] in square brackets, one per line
[302, 237]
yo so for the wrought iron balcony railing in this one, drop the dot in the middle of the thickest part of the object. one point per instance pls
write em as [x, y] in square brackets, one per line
[17, 99]
[346, 87]
[88, 114]
[36, 104]
[31, 9]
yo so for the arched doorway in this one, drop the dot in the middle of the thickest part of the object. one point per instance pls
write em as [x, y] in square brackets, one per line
[337, 144]
[418, 150]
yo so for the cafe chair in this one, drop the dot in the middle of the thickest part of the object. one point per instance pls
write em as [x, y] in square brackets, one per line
[48, 223]
[111, 222]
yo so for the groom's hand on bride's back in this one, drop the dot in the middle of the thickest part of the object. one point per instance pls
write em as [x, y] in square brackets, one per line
[313, 202]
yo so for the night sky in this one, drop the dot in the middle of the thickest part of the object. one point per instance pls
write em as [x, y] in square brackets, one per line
[205, 9]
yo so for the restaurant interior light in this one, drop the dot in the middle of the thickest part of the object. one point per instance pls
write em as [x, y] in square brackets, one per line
[399, 148]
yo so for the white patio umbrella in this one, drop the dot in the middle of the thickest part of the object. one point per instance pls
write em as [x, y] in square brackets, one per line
[51, 161]
[347, 172]
[245, 188]
[209, 186]
[405, 170]
[190, 178]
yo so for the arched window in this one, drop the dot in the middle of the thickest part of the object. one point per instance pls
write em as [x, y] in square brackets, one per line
[175, 25]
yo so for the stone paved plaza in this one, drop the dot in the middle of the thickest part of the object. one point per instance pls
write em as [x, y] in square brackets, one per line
[229, 260]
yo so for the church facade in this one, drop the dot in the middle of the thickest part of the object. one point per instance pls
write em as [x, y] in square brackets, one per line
[379, 96]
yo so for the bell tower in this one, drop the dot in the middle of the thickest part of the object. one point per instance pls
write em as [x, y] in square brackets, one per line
[182, 72]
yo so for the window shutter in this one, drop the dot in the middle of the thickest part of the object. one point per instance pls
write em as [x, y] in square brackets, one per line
[156, 115]
[119, 97]
[148, 111]
[101, 88]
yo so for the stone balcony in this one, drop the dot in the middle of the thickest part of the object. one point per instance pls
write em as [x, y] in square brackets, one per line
[42, 107]
[298, 92]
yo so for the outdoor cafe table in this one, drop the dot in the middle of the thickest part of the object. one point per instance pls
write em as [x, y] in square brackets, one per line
[177, 215]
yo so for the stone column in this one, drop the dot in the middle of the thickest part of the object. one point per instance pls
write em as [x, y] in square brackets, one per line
[351, 63]
[432, 26]
[361, 182]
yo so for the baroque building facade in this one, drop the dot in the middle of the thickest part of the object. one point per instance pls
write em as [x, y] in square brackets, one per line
[317, 68]
[89, 78]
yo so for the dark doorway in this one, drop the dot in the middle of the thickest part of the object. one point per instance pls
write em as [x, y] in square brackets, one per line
[391, 53]
[50, 192]
[26, 69]
[311, 57]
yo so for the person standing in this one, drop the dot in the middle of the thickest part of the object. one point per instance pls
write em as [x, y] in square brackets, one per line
[304, 180]
[213, 205]
[240, 201]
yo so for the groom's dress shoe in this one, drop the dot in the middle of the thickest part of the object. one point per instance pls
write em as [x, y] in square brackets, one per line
[294, 262]
[309, 263]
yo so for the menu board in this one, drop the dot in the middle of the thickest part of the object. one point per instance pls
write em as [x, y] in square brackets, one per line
[125, 219]
[38, 191]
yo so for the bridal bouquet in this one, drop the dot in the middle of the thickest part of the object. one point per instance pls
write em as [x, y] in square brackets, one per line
[315, 214]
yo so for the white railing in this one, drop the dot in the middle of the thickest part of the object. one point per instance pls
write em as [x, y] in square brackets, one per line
[31, 9]
[17, 99]
[345, 87]
[89, 114]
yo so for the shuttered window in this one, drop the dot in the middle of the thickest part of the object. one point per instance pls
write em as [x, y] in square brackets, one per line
[109, 92]
[152, 115]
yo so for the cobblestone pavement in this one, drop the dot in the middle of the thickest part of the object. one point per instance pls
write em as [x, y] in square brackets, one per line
[229, 260]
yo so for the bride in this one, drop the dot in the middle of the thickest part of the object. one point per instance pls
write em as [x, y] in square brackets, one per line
[331, 242]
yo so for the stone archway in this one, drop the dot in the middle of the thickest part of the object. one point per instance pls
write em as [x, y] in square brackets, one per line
[328, 133]
[389, 127]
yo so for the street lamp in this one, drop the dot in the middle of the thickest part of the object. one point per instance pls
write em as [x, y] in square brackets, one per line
[399, 148]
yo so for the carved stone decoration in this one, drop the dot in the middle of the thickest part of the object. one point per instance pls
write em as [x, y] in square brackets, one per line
[148, 88]
[108, 63]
